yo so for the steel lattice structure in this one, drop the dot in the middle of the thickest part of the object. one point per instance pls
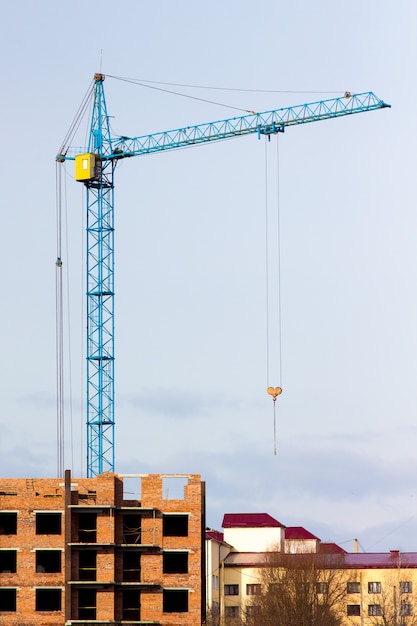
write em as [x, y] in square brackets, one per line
[96, 170]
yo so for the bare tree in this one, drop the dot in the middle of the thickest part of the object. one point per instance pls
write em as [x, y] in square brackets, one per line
[301, 589]
[394, 605]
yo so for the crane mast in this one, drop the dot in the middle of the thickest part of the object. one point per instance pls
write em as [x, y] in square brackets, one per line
[100, 292]
[95, 167]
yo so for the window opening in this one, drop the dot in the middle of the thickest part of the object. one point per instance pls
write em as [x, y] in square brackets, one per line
[132, 488]
[353, 587]
[374, 610]
[131, 605]
[354, 609]
[374, 588]
[8, 523]
[131, 567]
[175, 563]
[406, 608]
[253, 590]
[132, 529]
[173, 487]
[48, 523]
[8, 561]
[48, 599]
[175, 601]
[87, 565]
[175, 525]
[322, 587]
[48, 561]
[7, 599]
[406, 587]
[232, 611]
[87, 527]
[231, 590]
[87, 604]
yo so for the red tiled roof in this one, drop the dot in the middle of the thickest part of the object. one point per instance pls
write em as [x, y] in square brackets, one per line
[331, 548]
[298, 532]
[214, 534]
[380, 560]
[348, 560]
[250, 520]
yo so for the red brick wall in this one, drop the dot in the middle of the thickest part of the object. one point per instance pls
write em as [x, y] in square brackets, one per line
[103, 495]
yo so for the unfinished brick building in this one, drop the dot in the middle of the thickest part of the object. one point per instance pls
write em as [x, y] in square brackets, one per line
[83, 551]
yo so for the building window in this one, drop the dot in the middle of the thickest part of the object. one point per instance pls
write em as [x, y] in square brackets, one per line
[132, 529]
[131, 605]
[48, 599]
[87, 604]
[406, 587]
[175, 526]
[353, 609]
[231, 590]
[48, 523]
[8, 561]
[87, 565]
[353, 588]
[231, 611]
[406, 608]
[374, 610]
[131, 567]
[374, 587]
[48, 561]
[8, 523]
[87, 527]
[215, 581]
[175, 601]
[253, 590]
[7, 599]
[322, 587]
[175, 563]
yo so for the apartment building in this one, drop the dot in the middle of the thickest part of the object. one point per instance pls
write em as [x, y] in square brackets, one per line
[372, 589]
[106, 550]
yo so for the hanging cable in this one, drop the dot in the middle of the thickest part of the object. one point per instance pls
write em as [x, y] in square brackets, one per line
[140, 81]
[67, 256]
[182, 95]
[59, 329]
[75, 123]
[272, 391]
[266, 263]
[279, 262]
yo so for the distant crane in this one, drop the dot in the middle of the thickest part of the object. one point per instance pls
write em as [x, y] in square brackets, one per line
[95, 168]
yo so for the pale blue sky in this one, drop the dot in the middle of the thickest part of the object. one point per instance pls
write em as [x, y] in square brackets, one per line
[190, 255]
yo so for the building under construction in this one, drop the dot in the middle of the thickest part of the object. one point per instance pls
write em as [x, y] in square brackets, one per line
[84, 551]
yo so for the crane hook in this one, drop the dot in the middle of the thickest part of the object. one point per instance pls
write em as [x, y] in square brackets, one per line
[274, 392]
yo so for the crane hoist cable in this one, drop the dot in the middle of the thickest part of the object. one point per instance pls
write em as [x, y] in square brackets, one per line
[67, 274]
[276, 391]
[62, 234]
[82, 110]
[59, 328]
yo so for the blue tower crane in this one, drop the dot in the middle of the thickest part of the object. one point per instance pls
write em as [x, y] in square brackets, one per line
[95, 167]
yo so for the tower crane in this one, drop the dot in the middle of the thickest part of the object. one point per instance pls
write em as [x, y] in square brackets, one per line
[95, 168]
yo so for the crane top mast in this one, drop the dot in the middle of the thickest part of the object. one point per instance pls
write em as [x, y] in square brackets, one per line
[94, 166]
